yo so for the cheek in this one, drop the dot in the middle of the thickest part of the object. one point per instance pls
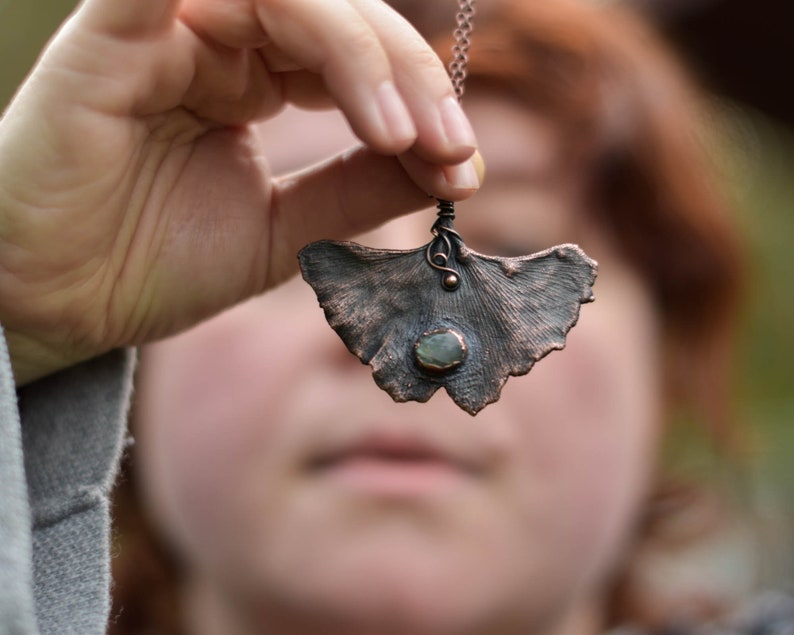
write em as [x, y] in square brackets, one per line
[590, 429]
[207, 411]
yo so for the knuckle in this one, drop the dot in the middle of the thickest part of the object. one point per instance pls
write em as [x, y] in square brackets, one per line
[361, 42]
[423, 65]
[425, 58]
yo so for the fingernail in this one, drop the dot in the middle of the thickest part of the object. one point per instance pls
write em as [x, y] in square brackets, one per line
[462, 176]
[479, 166]
[396, 118]
[457, 128]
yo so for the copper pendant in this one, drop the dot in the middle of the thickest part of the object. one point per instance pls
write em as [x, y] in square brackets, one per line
[445, 316]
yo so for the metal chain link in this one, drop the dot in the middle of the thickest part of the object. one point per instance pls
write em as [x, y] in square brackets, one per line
[458, 66]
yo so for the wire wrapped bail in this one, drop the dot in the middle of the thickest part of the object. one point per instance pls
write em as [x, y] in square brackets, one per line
[440, 252]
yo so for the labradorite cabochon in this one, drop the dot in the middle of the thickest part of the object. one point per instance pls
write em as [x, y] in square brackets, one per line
[440, 350]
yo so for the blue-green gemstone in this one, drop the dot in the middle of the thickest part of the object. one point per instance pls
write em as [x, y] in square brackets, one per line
[440, 350]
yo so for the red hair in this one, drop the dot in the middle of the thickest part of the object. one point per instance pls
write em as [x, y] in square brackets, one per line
[635, 126]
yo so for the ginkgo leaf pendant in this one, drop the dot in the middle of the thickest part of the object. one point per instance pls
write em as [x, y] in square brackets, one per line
[445, 316]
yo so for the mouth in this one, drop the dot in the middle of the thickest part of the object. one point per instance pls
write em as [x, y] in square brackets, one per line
[394, 466]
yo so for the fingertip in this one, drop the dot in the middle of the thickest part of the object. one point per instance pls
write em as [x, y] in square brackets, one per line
[451, 182]
[463, 176]
[385, 123]
[446, 136]
[479, 166]
[458, 133]
[394, 117]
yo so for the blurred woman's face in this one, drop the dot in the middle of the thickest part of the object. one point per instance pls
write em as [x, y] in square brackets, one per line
[303, 497]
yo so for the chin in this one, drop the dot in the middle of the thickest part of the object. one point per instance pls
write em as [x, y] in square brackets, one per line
[406, 609]
[402, 593]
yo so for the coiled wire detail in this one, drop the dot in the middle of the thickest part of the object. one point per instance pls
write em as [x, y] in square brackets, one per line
[440, 251]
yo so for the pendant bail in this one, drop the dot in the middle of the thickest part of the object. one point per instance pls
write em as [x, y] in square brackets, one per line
[441, 251]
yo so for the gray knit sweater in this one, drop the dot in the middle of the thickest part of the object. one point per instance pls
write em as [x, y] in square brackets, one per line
[60, 442]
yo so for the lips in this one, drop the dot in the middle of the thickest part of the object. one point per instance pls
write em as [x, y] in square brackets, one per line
[395, 464]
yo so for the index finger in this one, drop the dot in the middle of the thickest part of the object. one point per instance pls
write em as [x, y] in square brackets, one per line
[378, 70]
[334, 40]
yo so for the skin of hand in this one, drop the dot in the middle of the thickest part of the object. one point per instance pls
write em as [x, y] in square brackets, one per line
[135, 196]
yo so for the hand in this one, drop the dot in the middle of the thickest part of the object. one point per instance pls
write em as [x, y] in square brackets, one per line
[135, 199]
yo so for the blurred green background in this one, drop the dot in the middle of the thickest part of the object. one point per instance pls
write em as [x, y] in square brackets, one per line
[741, 53]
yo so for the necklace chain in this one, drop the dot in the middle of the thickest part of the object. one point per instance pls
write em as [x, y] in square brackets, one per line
[458, 66]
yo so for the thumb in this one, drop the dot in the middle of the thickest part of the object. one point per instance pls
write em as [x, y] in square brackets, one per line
[347, 195]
